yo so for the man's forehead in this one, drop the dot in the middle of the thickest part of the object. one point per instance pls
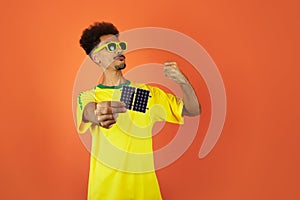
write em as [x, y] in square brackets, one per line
[106, 38]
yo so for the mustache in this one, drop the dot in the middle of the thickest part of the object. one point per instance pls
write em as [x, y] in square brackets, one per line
[119, 56]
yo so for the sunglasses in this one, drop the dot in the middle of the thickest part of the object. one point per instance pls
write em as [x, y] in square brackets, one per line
[112, 46]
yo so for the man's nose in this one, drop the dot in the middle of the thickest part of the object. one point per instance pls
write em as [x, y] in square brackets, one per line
[119, 51]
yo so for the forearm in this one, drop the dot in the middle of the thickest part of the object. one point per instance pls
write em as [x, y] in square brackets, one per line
[191, 105]
[89, 113]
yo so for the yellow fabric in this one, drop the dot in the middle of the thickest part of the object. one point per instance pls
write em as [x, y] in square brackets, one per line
[121, 165]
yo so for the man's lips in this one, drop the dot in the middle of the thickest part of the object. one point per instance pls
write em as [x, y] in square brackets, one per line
[120, 57]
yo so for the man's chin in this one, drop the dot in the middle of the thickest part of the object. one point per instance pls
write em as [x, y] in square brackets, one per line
[120, 66]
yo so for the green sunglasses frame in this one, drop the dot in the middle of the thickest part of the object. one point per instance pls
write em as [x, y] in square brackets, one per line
[106, 45]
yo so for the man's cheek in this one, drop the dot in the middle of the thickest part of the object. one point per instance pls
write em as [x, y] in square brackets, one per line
[107, 62]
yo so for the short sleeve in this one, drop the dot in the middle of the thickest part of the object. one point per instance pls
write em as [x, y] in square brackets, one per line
[166, 107]
[83, 99]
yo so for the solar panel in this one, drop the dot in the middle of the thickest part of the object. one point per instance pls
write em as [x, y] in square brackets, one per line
[140, 99]
[127, 96]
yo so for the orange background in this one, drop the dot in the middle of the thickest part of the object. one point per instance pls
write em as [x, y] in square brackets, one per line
[255, 45]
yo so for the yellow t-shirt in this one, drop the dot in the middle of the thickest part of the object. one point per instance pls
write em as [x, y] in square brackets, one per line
[121, 165]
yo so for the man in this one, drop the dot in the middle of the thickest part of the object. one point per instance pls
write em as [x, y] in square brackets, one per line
[122, 166]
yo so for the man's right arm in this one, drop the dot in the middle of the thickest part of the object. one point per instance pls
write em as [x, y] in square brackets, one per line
[103, 113]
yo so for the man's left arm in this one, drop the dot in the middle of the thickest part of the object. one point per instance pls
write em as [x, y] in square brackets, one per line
[191, 105]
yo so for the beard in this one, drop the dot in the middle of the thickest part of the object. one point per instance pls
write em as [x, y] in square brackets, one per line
[121, 66]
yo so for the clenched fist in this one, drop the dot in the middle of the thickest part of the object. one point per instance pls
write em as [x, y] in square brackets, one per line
[107, 112]
[103, 113]
[172, 71]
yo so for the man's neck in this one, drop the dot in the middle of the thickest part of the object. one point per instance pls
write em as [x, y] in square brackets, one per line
[113, 78]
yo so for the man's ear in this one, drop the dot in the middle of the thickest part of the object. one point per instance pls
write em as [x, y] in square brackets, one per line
[95, 58]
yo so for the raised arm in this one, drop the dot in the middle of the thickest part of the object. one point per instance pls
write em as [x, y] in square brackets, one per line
[191, 105]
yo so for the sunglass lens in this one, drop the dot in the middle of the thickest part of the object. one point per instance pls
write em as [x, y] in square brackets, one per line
[123, 45]
[112, 46]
